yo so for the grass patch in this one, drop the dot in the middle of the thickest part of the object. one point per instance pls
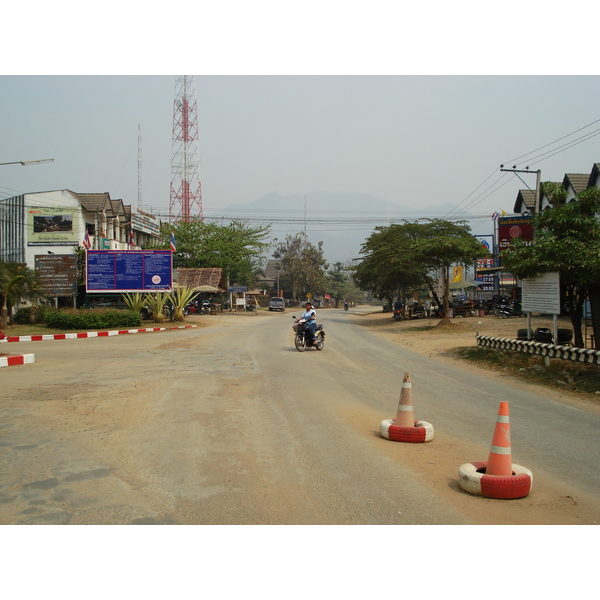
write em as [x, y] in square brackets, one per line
[561, 374]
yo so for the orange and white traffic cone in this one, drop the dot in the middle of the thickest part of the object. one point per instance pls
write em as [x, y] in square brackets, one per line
[500, 458]
[405, 415]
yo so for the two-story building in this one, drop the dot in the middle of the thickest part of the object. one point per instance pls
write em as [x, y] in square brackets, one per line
[57, 221]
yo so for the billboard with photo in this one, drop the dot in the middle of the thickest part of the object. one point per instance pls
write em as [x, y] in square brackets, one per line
[52, 226]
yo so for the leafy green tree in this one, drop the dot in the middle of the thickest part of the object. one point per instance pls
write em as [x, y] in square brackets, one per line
[302, 265]
[237, 248]
[566, 241]
[17, 282]
[441, 244]
[389, 263]
[404, 256]
[340, 284]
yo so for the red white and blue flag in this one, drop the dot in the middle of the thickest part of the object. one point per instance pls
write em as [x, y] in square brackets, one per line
[131, 238]
[495, 216]
[172, 242]
[87, 243]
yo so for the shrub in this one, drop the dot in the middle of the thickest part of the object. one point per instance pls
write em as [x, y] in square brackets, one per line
[22, 314]
[92, 319]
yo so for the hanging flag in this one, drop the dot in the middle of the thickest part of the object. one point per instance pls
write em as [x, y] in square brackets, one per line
[172, 242]
[495, 216]
[131, 238]
[87, 243]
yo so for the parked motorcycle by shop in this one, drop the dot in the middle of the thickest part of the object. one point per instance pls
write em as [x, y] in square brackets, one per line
[512, 309]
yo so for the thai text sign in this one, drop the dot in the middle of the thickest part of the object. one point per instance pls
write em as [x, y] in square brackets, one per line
[57, 273]
[541, 294]
[129, 270]
[512, 228]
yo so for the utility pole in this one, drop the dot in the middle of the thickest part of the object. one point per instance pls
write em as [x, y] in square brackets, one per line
[536, 210]
[537, 207]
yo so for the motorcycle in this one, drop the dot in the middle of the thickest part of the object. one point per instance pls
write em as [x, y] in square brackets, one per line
[345, 306]
[398, 314]
[512, 309]
[300, 328]
[197, 307]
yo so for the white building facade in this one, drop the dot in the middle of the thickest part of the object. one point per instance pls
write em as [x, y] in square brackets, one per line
[57, 221]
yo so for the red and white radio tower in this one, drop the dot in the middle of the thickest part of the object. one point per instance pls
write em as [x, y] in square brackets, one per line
[186, 190]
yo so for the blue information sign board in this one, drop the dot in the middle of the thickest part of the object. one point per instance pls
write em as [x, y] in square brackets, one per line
[129, 270]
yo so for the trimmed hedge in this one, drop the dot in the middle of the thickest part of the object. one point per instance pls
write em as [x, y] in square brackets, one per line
[22, 314]
[92, 319]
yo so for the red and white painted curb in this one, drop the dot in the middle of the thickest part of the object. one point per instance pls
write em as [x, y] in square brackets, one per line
[10, 361]
[88, 334]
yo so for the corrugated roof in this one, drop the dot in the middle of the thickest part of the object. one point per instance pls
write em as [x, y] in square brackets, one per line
[525, 201]
[593, 180]
[94, 202]
[271, 269]
[578, 181]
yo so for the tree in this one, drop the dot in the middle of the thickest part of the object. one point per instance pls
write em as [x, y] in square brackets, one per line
[339, 282]
[403, 256]
[11, 275]
[236, 248]
[302, 265]
[566, 241]
[389, 262]
[441, 244]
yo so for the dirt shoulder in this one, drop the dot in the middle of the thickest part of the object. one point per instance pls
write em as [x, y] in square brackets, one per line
[435, 339]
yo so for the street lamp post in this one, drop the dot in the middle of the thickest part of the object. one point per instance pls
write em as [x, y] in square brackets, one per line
[26, 163]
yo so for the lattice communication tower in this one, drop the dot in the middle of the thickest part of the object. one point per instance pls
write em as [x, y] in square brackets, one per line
[186, 190]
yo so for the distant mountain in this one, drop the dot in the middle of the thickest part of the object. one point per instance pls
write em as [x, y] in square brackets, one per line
[342, 221]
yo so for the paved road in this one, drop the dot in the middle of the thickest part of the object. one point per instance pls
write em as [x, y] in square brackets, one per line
[229, 424]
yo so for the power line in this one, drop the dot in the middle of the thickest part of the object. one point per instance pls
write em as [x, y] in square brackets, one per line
[554, 142]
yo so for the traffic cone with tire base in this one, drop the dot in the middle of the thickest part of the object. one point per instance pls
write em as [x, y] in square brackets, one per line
[404, 428]
[499, 477]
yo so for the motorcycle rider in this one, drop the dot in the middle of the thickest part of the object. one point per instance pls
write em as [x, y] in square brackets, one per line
[398, 305]
[310, 315]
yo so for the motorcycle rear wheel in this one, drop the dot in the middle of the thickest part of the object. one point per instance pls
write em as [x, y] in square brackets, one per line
[300, 342]
[320, 344]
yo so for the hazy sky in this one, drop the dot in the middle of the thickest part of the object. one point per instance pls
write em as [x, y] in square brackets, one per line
[420, 115]
[407, 139]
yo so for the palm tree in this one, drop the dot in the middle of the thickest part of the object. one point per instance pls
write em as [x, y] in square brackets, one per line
[10, 275]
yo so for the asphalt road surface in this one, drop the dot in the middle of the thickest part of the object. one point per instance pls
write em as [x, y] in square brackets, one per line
[229, 424]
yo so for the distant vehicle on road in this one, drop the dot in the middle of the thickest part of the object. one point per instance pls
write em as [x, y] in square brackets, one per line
[277, 304]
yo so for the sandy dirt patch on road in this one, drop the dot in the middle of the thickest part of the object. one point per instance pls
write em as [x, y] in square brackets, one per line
[550, 502]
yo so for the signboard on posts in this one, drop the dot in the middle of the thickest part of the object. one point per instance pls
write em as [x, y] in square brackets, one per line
[541, 294]
[511, 228]
[57, 273]
[129, 270]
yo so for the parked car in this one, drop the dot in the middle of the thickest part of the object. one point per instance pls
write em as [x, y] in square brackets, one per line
[277, 304]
